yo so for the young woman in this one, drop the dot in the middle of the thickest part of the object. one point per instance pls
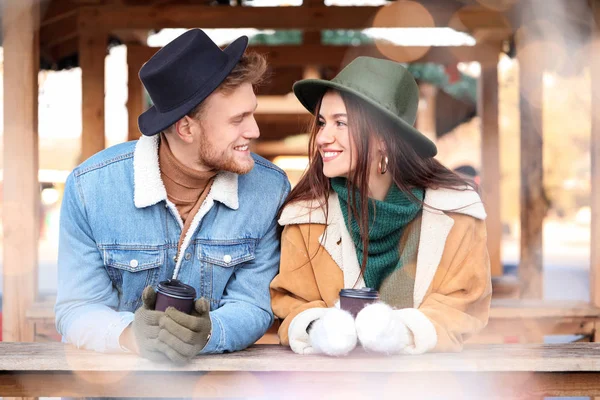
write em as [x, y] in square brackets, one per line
[376, 209]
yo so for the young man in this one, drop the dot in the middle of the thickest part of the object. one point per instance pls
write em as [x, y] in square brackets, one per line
[186, 201]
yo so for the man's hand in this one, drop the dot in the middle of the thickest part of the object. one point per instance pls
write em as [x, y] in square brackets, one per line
[146, 328]
[182, 336]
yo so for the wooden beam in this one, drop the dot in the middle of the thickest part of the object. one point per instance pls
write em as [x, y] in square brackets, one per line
[275, 148]
[59, 31]
[481, 23]
[143, 51]
[287, 104]
[92, 52]
[62, 50]
[311, 37]
[132, 36]
[533, 204]
[58, 10]
[21, 191]
[136, 99]
[279, 126]
[595, 154]
[313, 3]
[540, 309]
[487, 104]
[534, 330]
[225, 384]
[479, 371]
[305, 18]
[280, 81]
[339, 56]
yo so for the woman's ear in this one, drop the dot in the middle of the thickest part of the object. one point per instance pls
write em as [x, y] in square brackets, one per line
[381, 146]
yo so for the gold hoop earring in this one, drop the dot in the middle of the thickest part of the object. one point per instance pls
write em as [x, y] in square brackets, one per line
[383, 164]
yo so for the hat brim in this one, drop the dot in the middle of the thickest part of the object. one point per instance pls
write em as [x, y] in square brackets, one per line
[310, 91]
[152, 121]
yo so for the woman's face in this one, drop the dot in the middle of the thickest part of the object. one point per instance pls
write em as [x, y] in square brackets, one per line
[335, 144]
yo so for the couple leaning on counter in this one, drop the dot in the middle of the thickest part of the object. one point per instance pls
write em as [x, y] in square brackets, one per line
[185, 243]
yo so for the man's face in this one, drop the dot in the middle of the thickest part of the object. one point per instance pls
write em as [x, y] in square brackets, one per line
[225, 130]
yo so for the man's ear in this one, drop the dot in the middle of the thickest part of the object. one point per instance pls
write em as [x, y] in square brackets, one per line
[183, 129]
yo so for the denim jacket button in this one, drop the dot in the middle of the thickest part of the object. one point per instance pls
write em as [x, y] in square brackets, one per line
[188, 256]
[133, 263]
[227, 258]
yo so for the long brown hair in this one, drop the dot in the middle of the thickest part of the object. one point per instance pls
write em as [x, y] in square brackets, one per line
[409, 170]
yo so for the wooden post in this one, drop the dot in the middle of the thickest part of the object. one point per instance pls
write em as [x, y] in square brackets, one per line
[312, 38]
[533, 201]
[92, 54]
[426, 112]
[21, 188]
[136, 103]
[595, 154]
[311, 72]
[487, 104]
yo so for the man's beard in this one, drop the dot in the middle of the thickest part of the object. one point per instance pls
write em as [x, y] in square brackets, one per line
[224, 161]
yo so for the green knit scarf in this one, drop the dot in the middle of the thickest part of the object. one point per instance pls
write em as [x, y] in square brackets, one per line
[387, 220]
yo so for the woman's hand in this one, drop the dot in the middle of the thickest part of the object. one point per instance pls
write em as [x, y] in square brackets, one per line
[380, 329]
[334, 333]
[327, 331]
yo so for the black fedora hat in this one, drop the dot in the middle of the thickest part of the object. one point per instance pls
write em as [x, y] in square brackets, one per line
[182, 74]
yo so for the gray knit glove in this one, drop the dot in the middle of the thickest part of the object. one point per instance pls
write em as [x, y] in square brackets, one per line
[146, 327]
[183, 336]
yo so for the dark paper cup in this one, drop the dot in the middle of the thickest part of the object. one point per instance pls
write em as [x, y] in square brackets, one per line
[176, 294]
[354, 300]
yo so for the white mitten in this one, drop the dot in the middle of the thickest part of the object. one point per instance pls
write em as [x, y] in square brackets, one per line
[383, 329]
[379, 330]
[332, 332]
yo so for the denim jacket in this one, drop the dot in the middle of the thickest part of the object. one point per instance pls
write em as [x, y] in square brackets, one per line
[119, 234]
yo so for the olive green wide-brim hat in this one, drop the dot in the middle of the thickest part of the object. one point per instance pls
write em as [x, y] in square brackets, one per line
[386, 85]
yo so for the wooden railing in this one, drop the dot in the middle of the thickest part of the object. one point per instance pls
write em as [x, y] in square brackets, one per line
[271, 371]
[511, 320]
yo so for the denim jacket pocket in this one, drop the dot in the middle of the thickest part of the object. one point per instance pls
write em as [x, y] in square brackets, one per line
[219, 261]
[131, 269]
